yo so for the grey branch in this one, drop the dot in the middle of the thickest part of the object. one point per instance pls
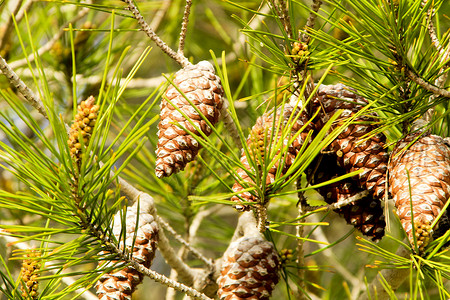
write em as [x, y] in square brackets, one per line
[283, 13]
[9, 25]
[180, 59]
[445, 54]
[341, 203]
[26, 92]
[178, 237]
[143, 270]
[426, 85]
[311, 20]
[247, 225]
[230, 125]
[187, 11]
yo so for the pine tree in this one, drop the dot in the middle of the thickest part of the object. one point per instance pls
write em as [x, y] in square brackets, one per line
[130, 128]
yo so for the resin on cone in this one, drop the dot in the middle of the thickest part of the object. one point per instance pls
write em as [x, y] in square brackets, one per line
[176, 147]
[120, 284]
[354, 151]
[420, 174]
[249, 270]
[365, 214]
[263, 138]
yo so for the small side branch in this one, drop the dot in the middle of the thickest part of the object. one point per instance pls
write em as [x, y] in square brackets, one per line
[180, 59]
[229, 124]
[300, 243]
[426, 85]
[187, 11]
[26, 92]
[444, 53]
[311, 20]
[283, 13]
[341, 203]
[178, 237]
[9, 25]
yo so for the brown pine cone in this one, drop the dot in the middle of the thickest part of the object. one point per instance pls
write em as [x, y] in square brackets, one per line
[427, 161]
[83, 126]
[176, 147]
[120, 284]
[261, 141]
[352, 152]
[366, 214]
[249, 270]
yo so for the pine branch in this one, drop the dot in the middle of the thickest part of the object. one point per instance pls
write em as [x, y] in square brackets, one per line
[282, 11]
[426, 85]
[9, 25]
[26, 92]
[311, 20]
[300, 243]
[187, 11]
[195, 252]
[444, 53]
[124, 256]
[180, 59]
[341, 203]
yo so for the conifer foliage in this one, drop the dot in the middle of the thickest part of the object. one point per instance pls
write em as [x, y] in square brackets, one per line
[185, 144]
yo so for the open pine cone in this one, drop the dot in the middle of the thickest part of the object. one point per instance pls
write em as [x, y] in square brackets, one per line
[249, 270]
[427, 164]
[353, 153]
[365, 214]
[120, 284]
[176, 147]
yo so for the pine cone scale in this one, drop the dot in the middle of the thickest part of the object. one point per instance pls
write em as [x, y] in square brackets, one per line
[420, 175]
[202, 87]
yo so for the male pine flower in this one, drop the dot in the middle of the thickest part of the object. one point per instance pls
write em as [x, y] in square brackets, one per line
[30, 277]
[81, 129]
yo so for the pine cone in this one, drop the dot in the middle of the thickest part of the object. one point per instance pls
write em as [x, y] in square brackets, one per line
[353, 153]
[366, 214]
[261, 141]
[83, 126]
[427, 161]
[249, 270]
[176, 147]
[29, 275]
[120, 284]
